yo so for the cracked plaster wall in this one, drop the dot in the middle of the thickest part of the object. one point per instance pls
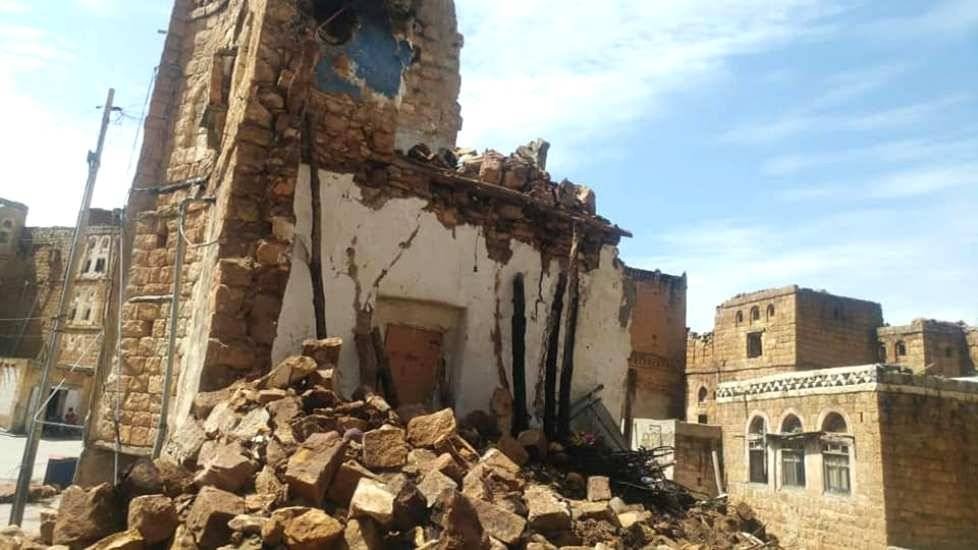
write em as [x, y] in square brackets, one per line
[444, 270]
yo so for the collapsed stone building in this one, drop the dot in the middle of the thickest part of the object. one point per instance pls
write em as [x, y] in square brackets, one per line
[841, 432]
[299, 179]
[33, 261]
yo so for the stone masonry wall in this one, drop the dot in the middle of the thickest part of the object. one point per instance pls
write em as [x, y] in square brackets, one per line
[658, 334]
[929, 441]
[939, 347]
[835, 331]
[808, 517]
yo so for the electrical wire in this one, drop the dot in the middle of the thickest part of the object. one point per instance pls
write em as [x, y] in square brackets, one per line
[142, 119]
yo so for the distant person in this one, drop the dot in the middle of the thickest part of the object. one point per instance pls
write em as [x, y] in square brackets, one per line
[71, 417]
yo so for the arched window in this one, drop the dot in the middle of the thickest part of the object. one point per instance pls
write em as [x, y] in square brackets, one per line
[835, 455]
[740, 317]
[770, 311]
[755, 313]
[757, 450]
[901, 349]
[701, 396]
[792, 454]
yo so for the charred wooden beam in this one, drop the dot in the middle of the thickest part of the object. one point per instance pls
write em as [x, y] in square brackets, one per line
[519, 356]
[550, 365]
[567, 367]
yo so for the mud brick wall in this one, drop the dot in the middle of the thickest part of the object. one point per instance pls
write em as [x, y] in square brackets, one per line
[929, 443]
[808, 517]
[835, 331]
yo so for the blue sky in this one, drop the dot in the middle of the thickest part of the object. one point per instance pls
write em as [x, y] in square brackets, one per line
[751, 144]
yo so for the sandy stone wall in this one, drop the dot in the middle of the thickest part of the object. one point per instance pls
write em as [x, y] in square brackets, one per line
[796, 328]
[658, 335]
[835, 331]
[928, 442]
[807, 517]
[926, 345]
[912, 481]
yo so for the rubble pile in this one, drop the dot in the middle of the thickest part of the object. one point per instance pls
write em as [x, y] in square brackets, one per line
[524, 171]
[284, 462]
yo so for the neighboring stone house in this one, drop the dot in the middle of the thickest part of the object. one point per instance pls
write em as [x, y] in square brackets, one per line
[926, 345]
[305, 153]
[855, 457]
[32, 270]
[832, 455]
[777, 330]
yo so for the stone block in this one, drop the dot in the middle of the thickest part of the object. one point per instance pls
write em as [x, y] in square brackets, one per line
[86, 516]
[598, 488]
[498, 522]
[513, 450]
[547, 512]
[154, 516]
[312, 530]
[373, 499]
[209, 515]
[426, 430]
[311, 469]
[384, 448]
[228, 469]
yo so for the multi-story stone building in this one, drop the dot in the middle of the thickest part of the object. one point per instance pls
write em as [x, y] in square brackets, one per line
[832, 455]
[304, 152]
[33, 261]
[929, 346]
[777, 330]
[658, 335]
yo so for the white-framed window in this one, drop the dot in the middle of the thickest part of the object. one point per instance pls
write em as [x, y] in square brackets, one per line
[792, 454]
[757, 451]
[836, 458]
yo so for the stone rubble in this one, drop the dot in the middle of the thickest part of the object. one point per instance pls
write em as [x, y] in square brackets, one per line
[274, 470]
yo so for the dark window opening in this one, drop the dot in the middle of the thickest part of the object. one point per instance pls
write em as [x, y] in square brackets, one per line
[755, 313]
[740, 317]
[702, 419]
[88, 314]
[71, 316]
[161, 240]
[770, 311]
[755, 347]
[8, 224]
[881, 353]
[335, 20]
[901, 349]
[100, 265]
[702, 394]
[88, 265]
[757, 452]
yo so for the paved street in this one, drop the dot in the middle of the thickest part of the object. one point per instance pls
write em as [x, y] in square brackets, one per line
[11, 451]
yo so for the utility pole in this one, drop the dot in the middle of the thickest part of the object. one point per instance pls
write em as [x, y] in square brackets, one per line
[35, 424]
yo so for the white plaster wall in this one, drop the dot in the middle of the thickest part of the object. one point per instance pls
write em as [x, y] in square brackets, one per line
[452, 267]
[297, 320]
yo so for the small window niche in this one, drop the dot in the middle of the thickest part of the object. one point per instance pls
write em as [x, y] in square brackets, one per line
[755, 313]
[755, 345]
[702, 419]
[901, 349]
